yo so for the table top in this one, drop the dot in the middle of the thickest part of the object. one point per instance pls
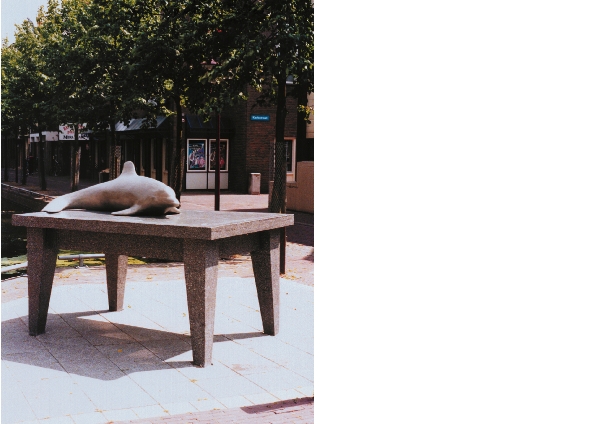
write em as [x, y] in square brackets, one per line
[205, 225]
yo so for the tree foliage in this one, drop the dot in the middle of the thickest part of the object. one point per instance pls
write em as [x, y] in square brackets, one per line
[108, 61]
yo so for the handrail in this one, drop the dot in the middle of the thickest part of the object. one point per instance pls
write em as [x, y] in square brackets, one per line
[81, 257]
[13, 267]
[28, 192]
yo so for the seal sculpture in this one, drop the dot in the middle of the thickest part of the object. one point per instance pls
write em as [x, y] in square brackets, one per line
[128, 194]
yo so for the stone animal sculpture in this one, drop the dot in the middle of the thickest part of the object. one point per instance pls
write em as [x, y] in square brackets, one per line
[128, 194]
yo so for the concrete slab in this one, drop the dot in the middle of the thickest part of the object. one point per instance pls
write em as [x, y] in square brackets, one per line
[95, 366]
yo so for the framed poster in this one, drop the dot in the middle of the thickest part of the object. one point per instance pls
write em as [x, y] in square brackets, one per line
[224, 165]
[196, 155]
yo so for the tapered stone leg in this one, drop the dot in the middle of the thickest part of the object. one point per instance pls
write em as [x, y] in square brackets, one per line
[41, 264]
[201, 265]
[265, 263]
[116, 274]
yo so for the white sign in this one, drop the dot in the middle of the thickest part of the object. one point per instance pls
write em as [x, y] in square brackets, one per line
[67, 132]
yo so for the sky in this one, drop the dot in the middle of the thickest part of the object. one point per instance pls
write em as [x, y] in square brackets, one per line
[15, 12]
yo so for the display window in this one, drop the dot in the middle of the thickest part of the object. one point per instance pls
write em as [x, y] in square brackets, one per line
[196, 155]
[224, 152]
[289, 150]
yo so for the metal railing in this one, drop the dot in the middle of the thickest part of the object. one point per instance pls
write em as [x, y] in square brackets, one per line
[27, 192]
[81, 257]
[13, 267]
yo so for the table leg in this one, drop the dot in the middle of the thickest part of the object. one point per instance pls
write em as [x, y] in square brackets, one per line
[41, 257]
[201, 265]
[265, 263]
[116, 273]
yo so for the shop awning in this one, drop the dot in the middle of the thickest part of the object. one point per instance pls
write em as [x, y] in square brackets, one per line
[138, 124]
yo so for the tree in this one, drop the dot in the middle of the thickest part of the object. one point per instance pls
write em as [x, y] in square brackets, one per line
[222, 74]
[284, 45]
[11, 118]
[174, 60]
[162, 71]
[91, 65]
[110, 44]
[64, 47]
[28, 91]
[286, 49]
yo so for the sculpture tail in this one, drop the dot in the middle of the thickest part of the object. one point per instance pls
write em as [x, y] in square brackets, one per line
[56, 205]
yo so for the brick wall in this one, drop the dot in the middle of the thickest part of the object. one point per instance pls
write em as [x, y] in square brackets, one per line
[237, 147]
[251, 143]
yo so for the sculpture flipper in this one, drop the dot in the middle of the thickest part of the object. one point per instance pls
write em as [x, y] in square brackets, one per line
[57, 204]
[129, 211]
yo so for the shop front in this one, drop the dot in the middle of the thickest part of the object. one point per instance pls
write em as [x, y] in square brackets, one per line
[201, 164]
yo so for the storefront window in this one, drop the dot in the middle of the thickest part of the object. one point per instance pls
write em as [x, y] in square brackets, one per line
[223, 153]
[288, 155]
[196, 157]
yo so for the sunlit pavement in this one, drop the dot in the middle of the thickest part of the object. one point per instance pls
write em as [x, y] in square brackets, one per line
[95, 366]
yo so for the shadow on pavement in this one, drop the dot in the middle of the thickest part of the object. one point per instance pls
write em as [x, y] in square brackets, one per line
[98, 349]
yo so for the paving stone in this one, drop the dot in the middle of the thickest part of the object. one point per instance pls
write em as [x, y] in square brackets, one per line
[57, 397]
[119, 415]
[153, 371]
[114, 394]
[15, 407]
[230, 386]
[168, 386]
[89, 418]
[177, 408]
[235, 401]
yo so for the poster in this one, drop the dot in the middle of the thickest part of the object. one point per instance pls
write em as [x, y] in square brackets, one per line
[223, 152]
[67, 132]
[196, 157]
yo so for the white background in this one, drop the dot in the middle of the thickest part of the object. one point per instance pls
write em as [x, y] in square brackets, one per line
[465, 289]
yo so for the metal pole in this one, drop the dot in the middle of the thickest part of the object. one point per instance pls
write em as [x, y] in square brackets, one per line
[218, 166]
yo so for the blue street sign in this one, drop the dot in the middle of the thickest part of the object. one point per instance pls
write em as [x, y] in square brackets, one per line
[265, 118]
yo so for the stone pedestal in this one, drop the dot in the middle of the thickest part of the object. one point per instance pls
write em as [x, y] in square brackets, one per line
[196, 238]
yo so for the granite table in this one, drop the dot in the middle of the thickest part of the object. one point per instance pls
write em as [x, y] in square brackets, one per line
[196, 238]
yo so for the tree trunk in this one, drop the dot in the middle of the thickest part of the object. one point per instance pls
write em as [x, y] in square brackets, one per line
[5, 149]
[42, 163]
[17, 154]
[5, 159]
[176, 165]
[118, 152]
[278, 198]
[75, 160]
[24, 169]
[41, 160]
[113, 143]
[218, 165]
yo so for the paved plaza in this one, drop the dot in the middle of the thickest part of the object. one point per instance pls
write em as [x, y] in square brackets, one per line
[96, 366]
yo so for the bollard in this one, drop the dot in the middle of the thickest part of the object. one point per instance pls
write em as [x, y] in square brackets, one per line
[254, 183]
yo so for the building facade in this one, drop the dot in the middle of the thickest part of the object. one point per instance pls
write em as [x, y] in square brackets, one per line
[247, 134]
